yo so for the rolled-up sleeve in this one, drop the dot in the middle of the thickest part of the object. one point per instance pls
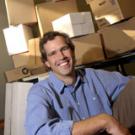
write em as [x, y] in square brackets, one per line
[41, 118]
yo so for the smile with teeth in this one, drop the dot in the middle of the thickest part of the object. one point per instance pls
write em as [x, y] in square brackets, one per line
[63, 63]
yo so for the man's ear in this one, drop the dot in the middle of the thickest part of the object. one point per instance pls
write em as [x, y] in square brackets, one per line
[47, 64]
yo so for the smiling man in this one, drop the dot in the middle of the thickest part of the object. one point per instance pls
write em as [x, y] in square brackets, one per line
[69, 101]
[60, 58]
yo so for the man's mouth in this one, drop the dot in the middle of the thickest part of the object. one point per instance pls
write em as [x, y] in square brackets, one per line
[63, 63]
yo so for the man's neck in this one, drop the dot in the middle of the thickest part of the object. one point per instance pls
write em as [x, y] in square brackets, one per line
[68, 79]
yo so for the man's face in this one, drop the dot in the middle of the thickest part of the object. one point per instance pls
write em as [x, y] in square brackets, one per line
[60, 58]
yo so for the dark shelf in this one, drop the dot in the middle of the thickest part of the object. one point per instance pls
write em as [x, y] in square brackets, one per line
[118, 61]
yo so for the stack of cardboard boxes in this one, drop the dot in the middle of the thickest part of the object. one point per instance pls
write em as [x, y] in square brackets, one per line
[91, 45]
[49, 11]
[65, 16]
[119, 38]
[21, 16]
[116, 22]
[111, 11]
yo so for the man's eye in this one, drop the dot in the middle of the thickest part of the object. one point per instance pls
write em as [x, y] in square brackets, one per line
[51, 53]
[65, 48]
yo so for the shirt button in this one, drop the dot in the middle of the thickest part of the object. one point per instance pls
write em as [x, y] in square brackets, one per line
[94, 98]
[78, 103]
[83, 118]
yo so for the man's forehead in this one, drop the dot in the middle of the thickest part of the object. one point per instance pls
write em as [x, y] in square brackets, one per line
[52, 45]
[56, 40]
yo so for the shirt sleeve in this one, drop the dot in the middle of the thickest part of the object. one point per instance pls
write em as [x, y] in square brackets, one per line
[41, 118]
[113, 82]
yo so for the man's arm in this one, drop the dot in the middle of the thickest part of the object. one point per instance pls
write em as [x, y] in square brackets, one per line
[98, 123]
[41, 118]
[113, 82]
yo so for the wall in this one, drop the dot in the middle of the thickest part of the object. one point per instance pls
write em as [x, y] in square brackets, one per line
[5, 60]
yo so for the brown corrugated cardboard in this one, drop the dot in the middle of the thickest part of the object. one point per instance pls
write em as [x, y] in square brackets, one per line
[101, 7]
[112, 10]
[27, 58]
[17, 73]
[88, 49]
[119, 38]
[39, 70]
[37, 50]
[56, 0]
[31, 59]
[35, 42]
[49, 11]
[20, 12]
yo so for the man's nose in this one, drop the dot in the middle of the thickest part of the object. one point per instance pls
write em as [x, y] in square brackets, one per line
[60, 54]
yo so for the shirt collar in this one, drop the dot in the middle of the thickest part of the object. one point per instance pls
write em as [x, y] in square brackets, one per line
[55, 82]
[59, 85]
[80, 78]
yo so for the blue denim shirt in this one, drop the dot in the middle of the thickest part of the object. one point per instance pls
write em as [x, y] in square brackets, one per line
[52, 107]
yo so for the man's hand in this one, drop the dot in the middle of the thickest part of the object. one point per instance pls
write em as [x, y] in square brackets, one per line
[113, 127]
[98, 123]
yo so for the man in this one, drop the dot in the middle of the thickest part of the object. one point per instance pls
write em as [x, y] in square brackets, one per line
[69, 101]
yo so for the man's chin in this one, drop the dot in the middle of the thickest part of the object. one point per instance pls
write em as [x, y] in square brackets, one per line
[65, 72]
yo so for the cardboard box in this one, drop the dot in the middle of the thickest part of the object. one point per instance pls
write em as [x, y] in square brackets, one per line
[119, 38]
[112, 10]
[56, 0]
[49, 11]
[27, 58]
[74, 24]
[16, 38]
[39, 70]
[31, 59]
[20, 12]
[107, 20]
[17, 73]
[88, 49]
[100, 7]
[35, 42]
[88, 1]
